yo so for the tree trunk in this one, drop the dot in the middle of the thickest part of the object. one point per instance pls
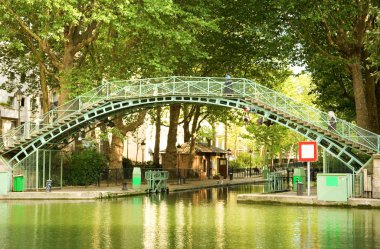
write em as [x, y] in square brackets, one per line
[170, 158]
[156, 155]
[44, 89]
[194, 129]
[362, 118]
[67, 65]
[377, 93]
[370, 93]
[186, 124]
[105, 147]
[116, 153]
[117, 144]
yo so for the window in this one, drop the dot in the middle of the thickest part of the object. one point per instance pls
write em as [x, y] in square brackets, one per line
[11, 100]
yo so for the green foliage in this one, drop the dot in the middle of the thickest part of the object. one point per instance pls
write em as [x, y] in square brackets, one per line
[243, 160]
[331, 37]
[85, 167]
[205, 133]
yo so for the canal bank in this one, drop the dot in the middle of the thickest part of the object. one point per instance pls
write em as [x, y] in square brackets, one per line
[291, 198]
[104, 191]
[110, 192]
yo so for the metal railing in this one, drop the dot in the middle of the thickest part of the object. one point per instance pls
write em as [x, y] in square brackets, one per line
[190, 86]
[111, 177]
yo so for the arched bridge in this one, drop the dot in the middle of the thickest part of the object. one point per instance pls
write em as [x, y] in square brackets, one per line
[344, 143]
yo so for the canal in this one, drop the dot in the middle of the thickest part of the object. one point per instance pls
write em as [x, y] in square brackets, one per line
[208, 218]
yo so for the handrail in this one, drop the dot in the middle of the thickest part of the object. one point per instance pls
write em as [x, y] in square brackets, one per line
[192, 86]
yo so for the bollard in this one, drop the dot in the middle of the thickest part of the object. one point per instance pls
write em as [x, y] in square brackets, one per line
[124, 186]
[299, 188]
[48, 185]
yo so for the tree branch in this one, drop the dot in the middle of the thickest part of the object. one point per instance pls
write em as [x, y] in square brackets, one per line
[90, 35]
[43, 44]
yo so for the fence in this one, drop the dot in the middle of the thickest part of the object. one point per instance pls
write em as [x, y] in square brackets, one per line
[118, 176]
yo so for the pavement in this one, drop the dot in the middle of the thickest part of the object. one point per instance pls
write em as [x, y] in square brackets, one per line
[104, 192]
[291, 198]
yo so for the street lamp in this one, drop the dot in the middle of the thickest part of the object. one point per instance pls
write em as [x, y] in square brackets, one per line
[178, 147]
[143, 150]
[228, 157]
[18, 96]
[250, 163]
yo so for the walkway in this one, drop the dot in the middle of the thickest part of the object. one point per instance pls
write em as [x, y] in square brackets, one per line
[104, 191]
[291, 198]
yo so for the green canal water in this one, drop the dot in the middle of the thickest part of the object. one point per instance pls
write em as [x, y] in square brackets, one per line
[209, 218]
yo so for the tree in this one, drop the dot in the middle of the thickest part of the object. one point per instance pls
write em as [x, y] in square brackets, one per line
[123, 124]
[156, 154]
[58, 33]
[336, 32]
[170, 158]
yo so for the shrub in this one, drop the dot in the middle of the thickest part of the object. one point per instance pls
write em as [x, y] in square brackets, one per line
[85, 167]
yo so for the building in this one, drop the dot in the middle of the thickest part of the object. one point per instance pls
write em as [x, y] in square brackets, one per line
[15, 110]
[209, 161]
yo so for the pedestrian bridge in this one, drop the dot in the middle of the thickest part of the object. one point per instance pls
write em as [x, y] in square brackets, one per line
[346, 142]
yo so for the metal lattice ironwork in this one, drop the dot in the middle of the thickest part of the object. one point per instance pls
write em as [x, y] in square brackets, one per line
[114, 96]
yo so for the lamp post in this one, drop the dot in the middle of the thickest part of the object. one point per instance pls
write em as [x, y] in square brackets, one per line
[179, 178]
[250, 163]
[143, 151]
[18, 95]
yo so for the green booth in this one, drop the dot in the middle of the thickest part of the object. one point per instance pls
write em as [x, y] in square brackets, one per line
[334, 187]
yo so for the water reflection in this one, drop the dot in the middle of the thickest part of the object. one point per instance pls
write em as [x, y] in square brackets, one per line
[209, 218]
[220, 225]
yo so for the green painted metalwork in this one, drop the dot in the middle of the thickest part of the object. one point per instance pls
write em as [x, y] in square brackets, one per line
[37, 168]
[114, 96]
[277, 182]
[156, 181]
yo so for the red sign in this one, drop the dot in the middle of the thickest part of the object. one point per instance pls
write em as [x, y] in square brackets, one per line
[307, 151]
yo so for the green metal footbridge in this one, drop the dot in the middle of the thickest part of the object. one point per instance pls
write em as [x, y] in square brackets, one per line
[346, 142]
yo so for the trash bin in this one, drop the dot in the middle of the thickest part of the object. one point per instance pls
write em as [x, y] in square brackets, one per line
[136, 178]
[298, 176]
[18, 183]
[48, 185]
[299, 188]
[231, 176]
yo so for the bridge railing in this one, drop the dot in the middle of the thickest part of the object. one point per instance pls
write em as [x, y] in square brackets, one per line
[315, 117]
[55, 115]
[205, 86]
